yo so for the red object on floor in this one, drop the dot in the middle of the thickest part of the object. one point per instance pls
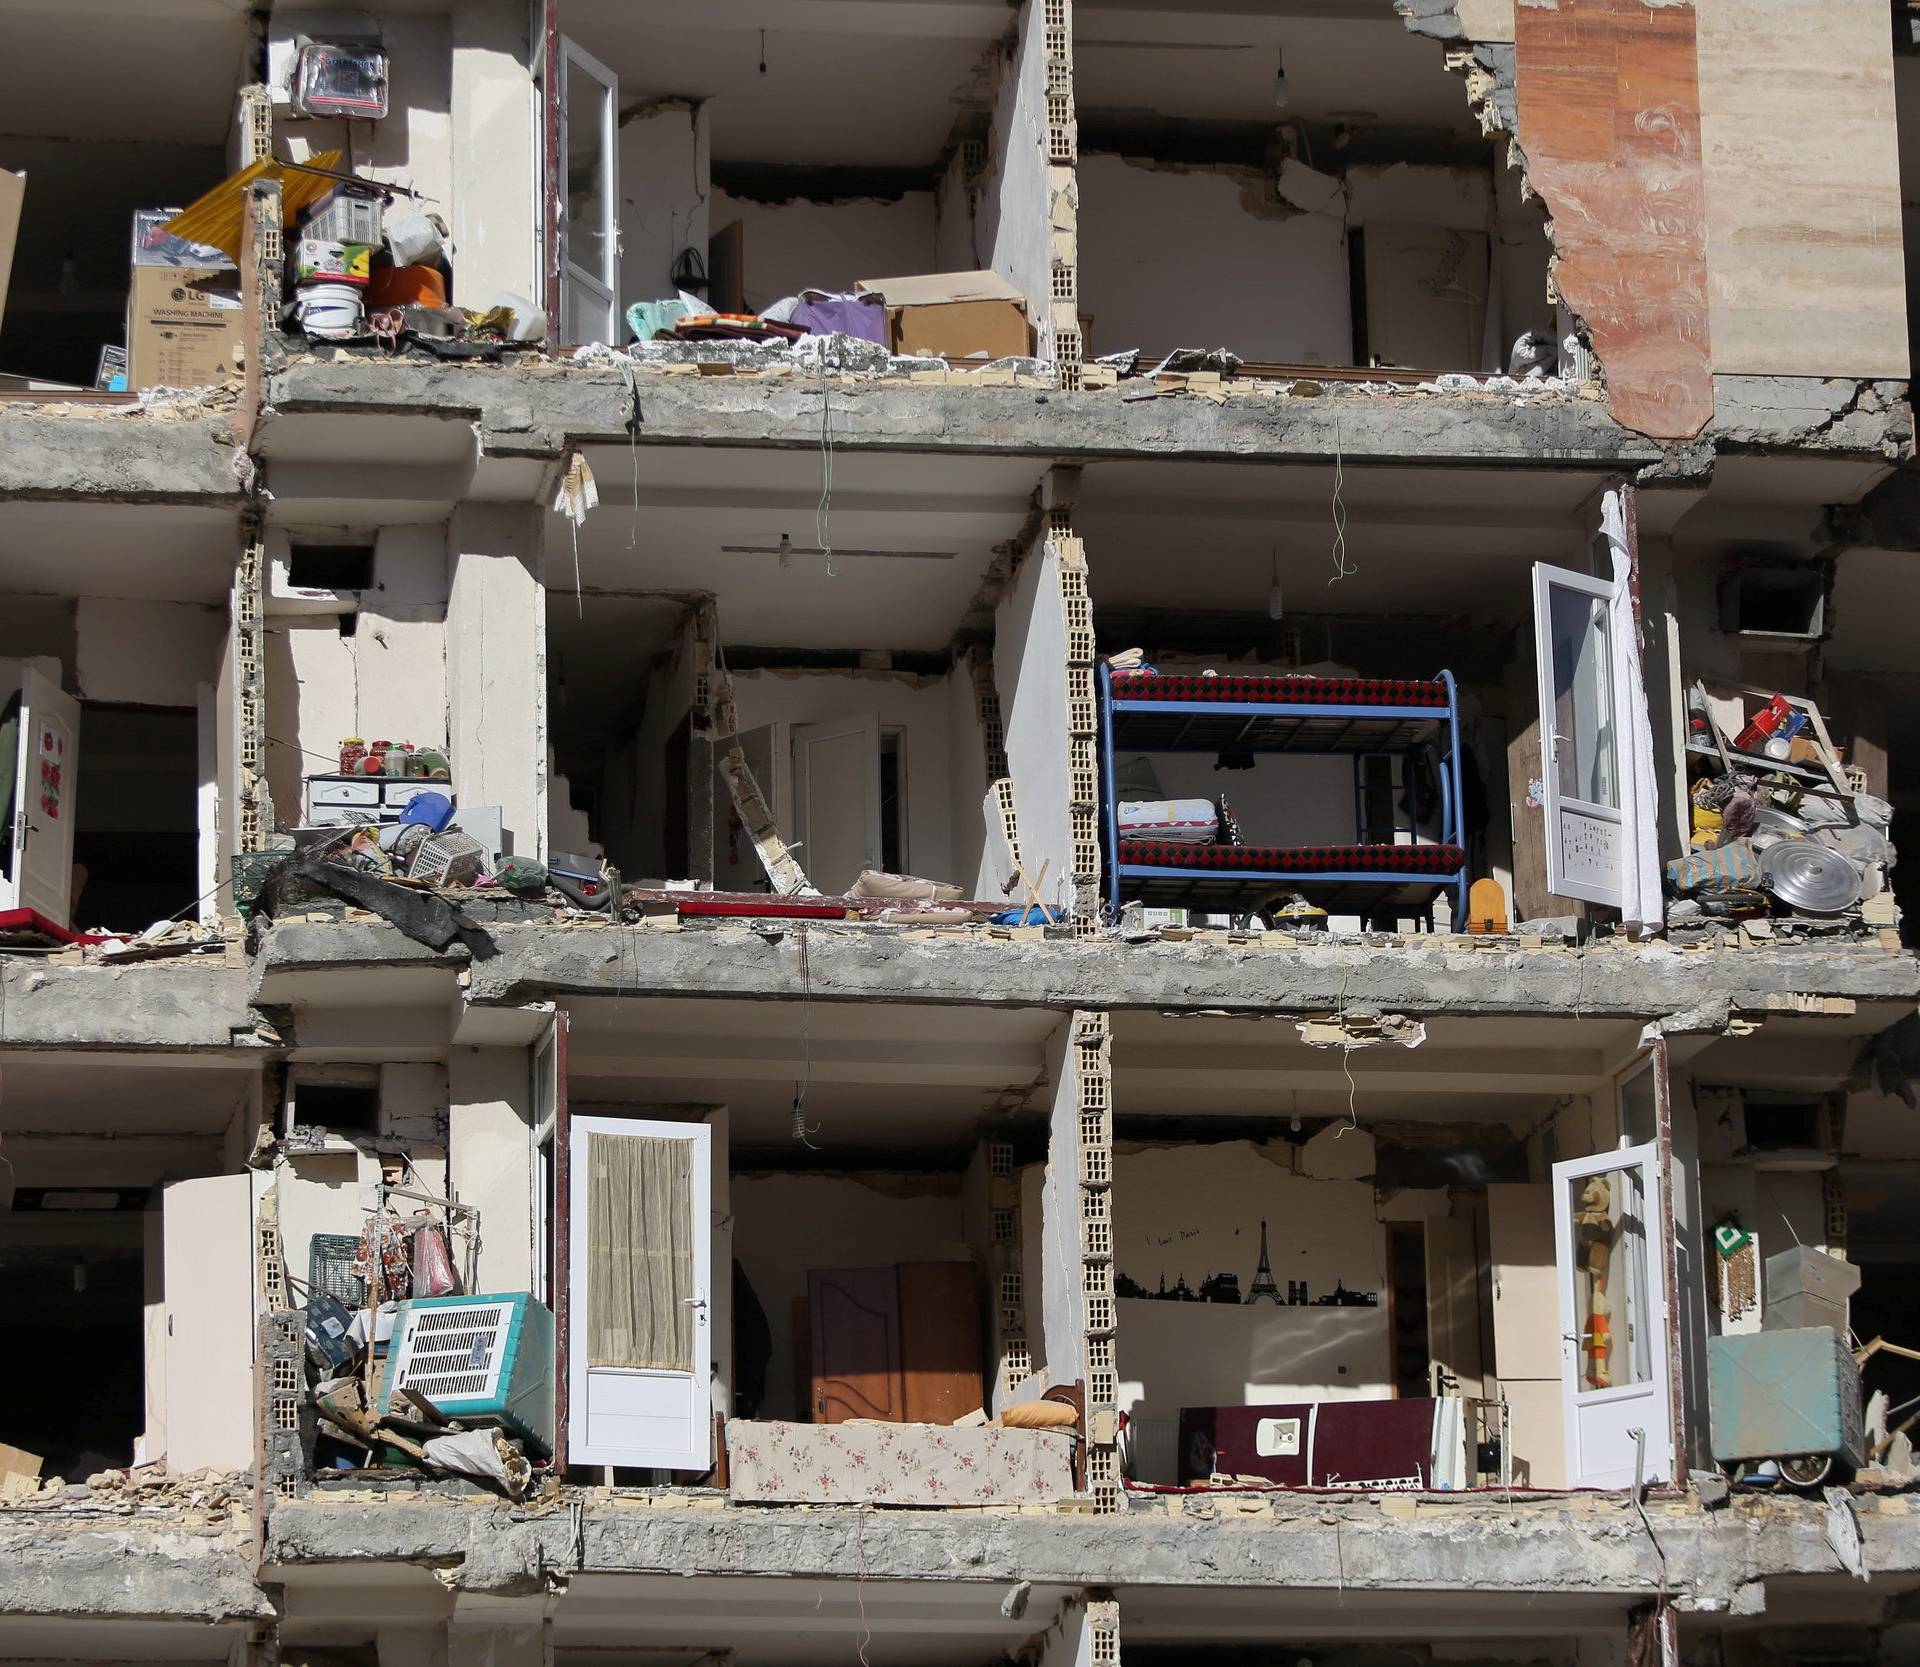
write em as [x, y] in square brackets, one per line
[32, 922]
[774, 908]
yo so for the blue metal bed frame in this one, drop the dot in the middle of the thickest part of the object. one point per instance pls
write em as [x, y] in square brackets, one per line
[1364, 724]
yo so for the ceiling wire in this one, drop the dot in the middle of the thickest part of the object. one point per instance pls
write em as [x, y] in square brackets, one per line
[1342, 568]
[823, 511]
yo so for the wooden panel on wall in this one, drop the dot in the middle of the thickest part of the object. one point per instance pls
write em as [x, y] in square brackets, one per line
[1808, 276]
[939, 1340]
[1609, 111]
[854, 1322]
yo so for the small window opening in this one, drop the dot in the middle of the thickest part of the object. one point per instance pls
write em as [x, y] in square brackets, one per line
[339, 1107]
[1785, 1125]
[1774, 602]
[334, 567]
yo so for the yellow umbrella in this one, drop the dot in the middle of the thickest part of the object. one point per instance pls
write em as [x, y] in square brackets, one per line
[216, 217]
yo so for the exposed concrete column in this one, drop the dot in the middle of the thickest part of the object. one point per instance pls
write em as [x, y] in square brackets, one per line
[490, 1157]
[497, 666]
[498, 1632]
[496, 237]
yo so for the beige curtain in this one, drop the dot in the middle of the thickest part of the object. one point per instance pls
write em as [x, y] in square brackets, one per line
[639, 1252]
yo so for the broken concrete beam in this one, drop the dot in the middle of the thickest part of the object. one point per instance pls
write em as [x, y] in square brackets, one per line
[126, 1569]
[540, 962]
[543, 410]
[168, 1005]
[117, 454]
[1547, 1549]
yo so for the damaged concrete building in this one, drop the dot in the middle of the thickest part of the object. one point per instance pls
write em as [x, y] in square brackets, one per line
[765, 901]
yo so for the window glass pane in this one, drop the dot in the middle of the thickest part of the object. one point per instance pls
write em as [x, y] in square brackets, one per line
[1582, 714]
[587, 218]
[1610, 1278]
[1639, 1114]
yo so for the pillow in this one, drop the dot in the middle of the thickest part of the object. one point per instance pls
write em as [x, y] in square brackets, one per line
[1038, 1415]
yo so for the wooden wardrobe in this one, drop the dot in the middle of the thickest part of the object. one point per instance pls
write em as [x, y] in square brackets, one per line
[901, 1344]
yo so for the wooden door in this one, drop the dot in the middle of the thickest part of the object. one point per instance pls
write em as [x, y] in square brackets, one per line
[854, 1327]
[940, 1352]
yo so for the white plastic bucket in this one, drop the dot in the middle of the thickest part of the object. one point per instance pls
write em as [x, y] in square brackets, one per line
[330, 310]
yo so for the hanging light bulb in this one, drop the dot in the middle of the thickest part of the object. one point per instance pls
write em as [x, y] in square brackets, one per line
[1276, 602]
[1279, 81]
[786, 551]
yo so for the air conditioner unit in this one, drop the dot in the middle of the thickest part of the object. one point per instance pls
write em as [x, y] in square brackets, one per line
[480, 1358]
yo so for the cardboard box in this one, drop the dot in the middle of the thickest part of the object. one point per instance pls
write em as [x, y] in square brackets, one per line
[183, 327]
[954, 315]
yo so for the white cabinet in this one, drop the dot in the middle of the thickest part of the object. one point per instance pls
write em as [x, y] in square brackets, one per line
[347, 801]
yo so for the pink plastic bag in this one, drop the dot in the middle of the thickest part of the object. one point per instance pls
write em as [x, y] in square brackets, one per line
[433, 1274]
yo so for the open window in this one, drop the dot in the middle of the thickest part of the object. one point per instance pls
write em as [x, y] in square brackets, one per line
[590, 197]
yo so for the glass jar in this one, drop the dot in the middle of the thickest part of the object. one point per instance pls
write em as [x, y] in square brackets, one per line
[353, 752]
[375, 763]
[399, 758]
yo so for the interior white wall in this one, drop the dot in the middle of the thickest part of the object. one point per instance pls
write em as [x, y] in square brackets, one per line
[1059, 1340]
[1276, 285]
[786, 1226]
[920, 707]
[664, 189]
[827, 245]
[386, 681]
[1273, 287]
[496, 228]
[42, 628]
[966, 783]
[1187, 1212]
[497, 666]
[414, 146]
[146, 653]
[1015, 226]
[490, 1158]
[1030, 671]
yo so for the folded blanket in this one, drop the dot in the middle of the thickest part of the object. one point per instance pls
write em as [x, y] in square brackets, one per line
[1181, 821]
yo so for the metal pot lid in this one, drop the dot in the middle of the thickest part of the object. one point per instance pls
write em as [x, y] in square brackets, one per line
[1810, 876]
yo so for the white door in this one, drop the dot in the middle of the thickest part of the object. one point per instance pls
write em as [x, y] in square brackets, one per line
[207, 1230]
[589, 199]
[641, 1269]
[38, 843]
[1581, 750]
[1609, 1245]
[836, 800]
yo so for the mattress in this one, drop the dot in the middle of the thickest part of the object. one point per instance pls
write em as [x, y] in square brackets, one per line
[1175, 821]
[1294, 859]
[1281, 691]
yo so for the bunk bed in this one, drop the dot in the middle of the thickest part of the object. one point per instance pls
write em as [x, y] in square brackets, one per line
[1406, 719]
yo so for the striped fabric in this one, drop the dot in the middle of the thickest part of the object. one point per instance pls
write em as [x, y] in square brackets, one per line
[1281, 691]
[1295, 859]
